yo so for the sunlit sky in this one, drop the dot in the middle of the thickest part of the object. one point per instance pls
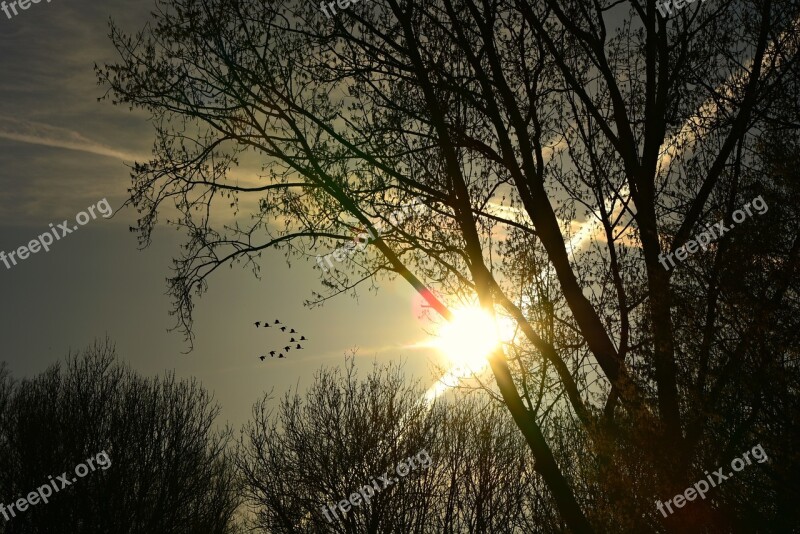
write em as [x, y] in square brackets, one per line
[62, 151]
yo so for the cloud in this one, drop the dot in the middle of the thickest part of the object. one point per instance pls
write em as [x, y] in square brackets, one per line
[38, 133]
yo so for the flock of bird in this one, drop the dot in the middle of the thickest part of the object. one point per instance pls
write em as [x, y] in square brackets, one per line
[295, 339]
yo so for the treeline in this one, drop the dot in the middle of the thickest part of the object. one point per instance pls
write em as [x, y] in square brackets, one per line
[174, 470]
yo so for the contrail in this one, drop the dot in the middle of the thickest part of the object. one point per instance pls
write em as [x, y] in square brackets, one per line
[38, 133]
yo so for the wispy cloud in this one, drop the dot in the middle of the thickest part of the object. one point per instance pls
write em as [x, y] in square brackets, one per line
[38, 133]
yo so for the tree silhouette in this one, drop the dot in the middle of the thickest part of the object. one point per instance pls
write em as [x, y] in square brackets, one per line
[509, 121]
[169, 471]
[319, 449]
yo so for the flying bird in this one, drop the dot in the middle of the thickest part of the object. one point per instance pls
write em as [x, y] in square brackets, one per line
[292, 340]
[280, 356]
[283, 329]
[292, 331]
[277, 321]
[272, 353]
[266, 324]
[298, 346]
[262, 358]
[302, 338]
[287, 348]
[258, 323]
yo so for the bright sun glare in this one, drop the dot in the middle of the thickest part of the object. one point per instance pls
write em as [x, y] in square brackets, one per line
[468, 339]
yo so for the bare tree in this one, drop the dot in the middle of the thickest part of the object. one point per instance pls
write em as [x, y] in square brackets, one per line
[168, 472]
[509, 120]
[304, 456]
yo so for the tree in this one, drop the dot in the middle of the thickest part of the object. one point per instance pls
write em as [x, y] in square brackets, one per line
[312, 452]
[166, 468]
[509, 120]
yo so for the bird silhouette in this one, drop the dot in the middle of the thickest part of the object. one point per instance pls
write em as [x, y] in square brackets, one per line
[298, 346]
[266, 324]
[272, 353]
[262, 358]
[283, 329]
[280, 356]
[277, 321]
[292, 331]
[292, 340]
[258, 323]
[287, 348]
[302, 338]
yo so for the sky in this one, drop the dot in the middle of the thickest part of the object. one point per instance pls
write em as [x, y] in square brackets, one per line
[62, 151]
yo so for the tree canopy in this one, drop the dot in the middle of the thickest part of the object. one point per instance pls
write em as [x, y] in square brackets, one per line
[513, 122]
[169, 466]
[315, 450]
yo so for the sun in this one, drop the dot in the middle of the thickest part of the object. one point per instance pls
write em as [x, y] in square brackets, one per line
[468, 339]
